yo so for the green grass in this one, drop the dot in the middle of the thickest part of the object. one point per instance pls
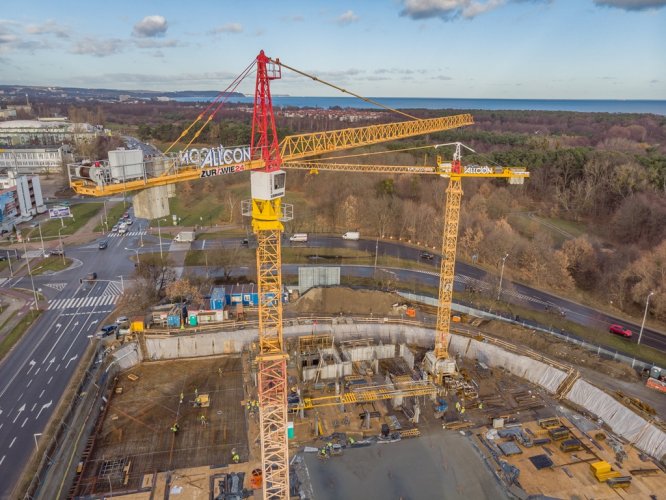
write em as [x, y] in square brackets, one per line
[204, 210]
[82, 213]
[113, 215]
[17, 332]
[53, 264]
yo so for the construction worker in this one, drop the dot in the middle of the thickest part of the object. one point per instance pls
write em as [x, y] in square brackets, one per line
[255, 405]
[248, 406]
[196, 392]
[351, 441]
[219, 371]
[458, 406]
[480, 405]
[323, 452]
[235, 458]
[203, 420]
[175, 427]
[462, 410]
[182, 396]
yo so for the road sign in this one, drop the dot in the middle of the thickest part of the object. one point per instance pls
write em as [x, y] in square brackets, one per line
[59, 212]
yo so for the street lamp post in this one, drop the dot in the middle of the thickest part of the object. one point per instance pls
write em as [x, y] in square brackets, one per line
[39, 225]
[159, 233]
[647, 303]
[32, 281]
[499, 291]
[9, 261]
[62, 249]
[135, 250]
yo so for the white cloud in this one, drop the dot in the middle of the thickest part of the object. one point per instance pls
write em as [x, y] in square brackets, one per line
[632, 4]
[449, 10]
[48, 28]
[97, 47]
[156, 44]
[347, 18]
[227, 28]
[151, 26]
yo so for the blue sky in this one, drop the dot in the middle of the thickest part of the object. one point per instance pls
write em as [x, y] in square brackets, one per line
[567, 49]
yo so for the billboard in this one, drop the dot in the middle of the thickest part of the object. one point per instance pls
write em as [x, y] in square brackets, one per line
[59, 212]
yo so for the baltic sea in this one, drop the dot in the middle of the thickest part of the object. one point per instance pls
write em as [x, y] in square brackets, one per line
[581, 105]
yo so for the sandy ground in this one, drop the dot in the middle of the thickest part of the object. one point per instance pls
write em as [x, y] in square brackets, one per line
[444, 465]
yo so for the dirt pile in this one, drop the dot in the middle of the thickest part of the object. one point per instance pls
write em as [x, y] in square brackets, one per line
[346, 301]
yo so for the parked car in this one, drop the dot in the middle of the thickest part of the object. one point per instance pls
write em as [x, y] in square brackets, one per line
[57, 251]
[114, 229]
[245, 242]
[103, 244]
[129, 222]
[107, 330]
[122, 320]
[427, 256]
[126, 215]
[620, 330]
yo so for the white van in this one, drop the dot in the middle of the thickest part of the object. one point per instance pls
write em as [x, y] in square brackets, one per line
[351, 235]
[302, 237]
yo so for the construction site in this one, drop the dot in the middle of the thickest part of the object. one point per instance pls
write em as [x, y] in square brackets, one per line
[342, 406]
[364, 421]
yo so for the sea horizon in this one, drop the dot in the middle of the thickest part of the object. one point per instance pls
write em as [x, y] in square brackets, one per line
[657, 107]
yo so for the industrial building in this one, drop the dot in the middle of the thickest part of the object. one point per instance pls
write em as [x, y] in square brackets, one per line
[34, 160]
[45, 132]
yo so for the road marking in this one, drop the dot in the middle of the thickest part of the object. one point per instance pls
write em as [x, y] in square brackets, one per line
[33, 406]
[2, 459]
[51, 378]
[57, 286]
[70, 360]
[26, 419]
[12, 443]
[44, 406]
[41, 393]
[1, 426]
[57, 367]
[37, 371]
[29, 382]
[51, 361]
[18, 413]
[32, 365]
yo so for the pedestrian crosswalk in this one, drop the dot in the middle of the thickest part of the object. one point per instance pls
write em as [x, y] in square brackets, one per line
[128, 233]
[76, 302]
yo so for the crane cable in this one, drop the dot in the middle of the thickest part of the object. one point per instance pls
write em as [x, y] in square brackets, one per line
[316, 79]
[223, 97]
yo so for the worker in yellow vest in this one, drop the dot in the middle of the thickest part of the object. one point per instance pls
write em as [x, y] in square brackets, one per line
[235, 458]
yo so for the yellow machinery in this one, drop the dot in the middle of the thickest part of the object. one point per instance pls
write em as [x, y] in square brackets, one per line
[265, 160]
[437, 362]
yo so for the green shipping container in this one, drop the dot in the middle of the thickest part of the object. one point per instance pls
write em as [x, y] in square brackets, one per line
[290, 430]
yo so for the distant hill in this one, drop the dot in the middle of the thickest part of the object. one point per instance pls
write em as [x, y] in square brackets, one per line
[18, 93]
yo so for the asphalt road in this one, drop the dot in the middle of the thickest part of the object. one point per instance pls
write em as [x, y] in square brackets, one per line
[34, 375]
[466, 277]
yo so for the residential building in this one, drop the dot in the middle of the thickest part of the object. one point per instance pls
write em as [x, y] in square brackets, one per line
[35, 160]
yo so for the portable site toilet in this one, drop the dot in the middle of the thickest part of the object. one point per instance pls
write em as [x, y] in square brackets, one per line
[290, 430]
[193, 320]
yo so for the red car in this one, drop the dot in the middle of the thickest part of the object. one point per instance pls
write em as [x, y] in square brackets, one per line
[620, 330]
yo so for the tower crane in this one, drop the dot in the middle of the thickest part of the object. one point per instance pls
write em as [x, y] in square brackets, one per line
[437, 362]
[266, 160]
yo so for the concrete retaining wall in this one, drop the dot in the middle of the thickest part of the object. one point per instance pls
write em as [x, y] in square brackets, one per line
[644, 435]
